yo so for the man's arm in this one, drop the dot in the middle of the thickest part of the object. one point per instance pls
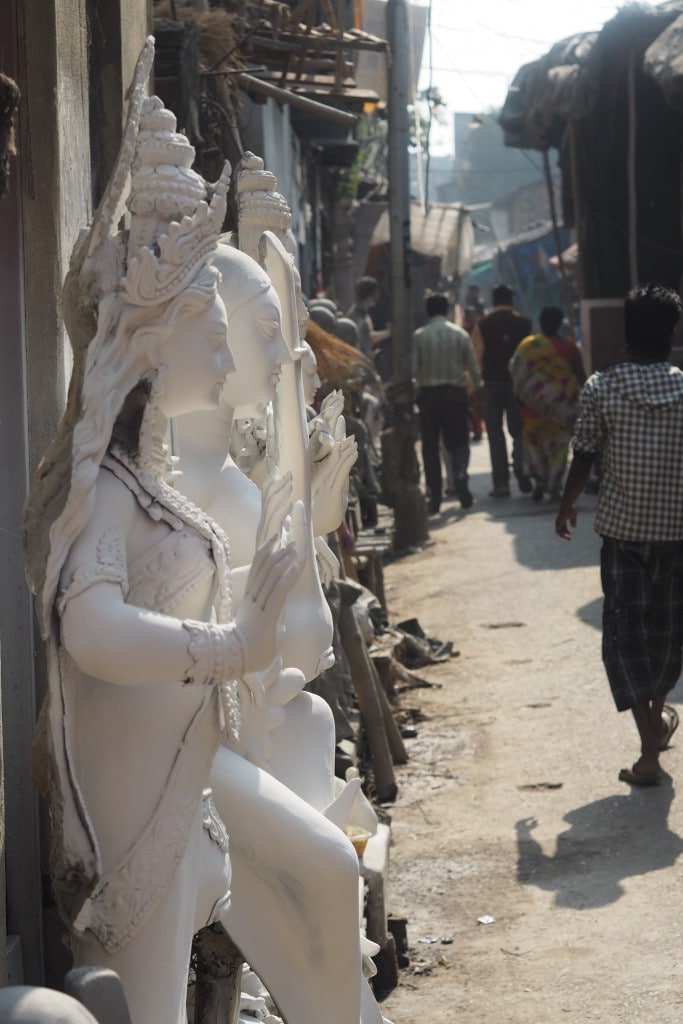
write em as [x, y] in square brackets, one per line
[577, 478]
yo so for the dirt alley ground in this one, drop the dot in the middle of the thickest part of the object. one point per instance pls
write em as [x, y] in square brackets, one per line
[510, 805]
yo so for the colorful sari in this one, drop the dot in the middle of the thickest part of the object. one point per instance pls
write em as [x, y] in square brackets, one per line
[547, 374]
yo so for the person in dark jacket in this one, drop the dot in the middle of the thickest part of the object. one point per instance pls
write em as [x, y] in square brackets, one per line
[495, 339]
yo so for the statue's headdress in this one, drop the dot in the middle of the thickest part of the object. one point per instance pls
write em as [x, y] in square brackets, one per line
[174, 221]
[175, 215]
[259, 206]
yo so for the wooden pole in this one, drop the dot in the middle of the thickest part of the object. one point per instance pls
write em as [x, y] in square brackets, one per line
[576, 205]
[399, 198]
[631, 174]
[368, 697]
[566, 292]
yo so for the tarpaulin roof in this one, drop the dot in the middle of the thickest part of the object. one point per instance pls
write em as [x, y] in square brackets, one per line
[663, 61]
[562, 85]
[445, 230]
[544, 93]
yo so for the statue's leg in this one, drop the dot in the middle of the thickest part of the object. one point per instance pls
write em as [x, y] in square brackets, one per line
[294, 912]
[153, 966]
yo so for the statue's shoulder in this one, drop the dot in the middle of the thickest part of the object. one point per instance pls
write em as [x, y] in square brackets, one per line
[115, 500]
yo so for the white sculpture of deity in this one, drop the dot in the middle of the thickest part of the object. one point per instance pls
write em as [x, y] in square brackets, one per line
[133, 581]
[306, 929]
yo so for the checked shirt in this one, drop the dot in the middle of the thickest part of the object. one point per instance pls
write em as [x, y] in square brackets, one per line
[632, 414]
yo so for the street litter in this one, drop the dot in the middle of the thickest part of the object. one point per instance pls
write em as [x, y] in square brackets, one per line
[428, 938]
[486, 919]
[541, 785]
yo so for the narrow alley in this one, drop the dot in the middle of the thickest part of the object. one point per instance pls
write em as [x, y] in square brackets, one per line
[510, 808]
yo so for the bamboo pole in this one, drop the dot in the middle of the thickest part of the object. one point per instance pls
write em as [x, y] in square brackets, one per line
[566, 293]
[631, 174]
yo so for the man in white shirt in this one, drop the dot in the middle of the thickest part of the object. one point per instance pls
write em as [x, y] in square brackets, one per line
[442, 358]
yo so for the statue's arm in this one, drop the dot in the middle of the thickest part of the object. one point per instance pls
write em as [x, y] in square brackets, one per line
[106, 637]
[123, 644]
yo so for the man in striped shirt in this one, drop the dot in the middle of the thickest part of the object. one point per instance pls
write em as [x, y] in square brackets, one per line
[442, 358]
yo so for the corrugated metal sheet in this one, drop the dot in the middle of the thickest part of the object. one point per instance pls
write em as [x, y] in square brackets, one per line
[445, 230]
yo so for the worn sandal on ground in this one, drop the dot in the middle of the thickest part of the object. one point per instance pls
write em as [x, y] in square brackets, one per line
[670, 720]
[636, 778]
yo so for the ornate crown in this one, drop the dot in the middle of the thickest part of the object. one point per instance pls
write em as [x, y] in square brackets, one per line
[259, 207]
[175, 216]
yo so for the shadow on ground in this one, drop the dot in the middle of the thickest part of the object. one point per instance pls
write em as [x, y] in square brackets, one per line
[591, 613]
[608, 840]
[532, 526]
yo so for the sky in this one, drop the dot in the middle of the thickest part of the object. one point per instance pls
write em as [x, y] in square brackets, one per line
[475, 57]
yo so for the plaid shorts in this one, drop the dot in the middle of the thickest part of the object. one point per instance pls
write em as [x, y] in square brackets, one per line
[642, 619]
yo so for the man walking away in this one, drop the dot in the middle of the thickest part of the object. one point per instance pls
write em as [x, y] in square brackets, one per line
[632, 414]
[442, 354]
[495, 339]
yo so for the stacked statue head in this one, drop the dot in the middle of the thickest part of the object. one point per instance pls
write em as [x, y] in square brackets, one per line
[131, 296]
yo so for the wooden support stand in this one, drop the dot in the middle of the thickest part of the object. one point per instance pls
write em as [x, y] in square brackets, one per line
[219, 975]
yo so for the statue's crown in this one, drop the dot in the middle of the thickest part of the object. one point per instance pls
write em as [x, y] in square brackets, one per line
[176, 216]
[174, 221]
[259, 206]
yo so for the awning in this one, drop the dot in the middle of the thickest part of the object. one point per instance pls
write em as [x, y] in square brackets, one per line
[445, 230]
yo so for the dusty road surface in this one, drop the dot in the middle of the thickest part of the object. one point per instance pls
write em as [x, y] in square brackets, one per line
[510, 805]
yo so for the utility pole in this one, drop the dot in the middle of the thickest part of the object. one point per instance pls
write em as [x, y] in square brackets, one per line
[399, 197]
[401, 469]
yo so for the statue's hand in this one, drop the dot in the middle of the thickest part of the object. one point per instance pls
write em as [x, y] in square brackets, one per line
[272, 575]
[263, 696]
[331, 410]
[330, 486]
[256, 727]
[327, 427]
[276, 505]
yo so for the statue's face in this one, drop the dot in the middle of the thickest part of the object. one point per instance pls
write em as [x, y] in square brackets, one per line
[309, 373]
[197, 358]
[259, 348]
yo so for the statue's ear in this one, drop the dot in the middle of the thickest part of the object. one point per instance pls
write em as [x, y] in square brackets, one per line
[147, 342]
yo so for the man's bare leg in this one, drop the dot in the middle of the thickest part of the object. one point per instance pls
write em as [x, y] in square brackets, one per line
[648, 723]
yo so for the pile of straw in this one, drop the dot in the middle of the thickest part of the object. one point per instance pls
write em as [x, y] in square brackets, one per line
[339, 364]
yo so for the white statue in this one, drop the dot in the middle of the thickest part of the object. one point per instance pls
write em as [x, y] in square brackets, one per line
[306, 929]
[133, 581]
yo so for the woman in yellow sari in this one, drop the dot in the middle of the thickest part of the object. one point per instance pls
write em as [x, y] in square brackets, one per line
[547, 374]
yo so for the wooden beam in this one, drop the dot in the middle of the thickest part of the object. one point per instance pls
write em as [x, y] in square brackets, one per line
[323, 110]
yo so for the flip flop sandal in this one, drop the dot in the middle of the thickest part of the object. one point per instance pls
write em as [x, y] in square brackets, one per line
[636, 778]
[670, 719]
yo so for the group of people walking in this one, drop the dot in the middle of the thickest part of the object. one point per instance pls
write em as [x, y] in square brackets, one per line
[627, 416]
[530, 385]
